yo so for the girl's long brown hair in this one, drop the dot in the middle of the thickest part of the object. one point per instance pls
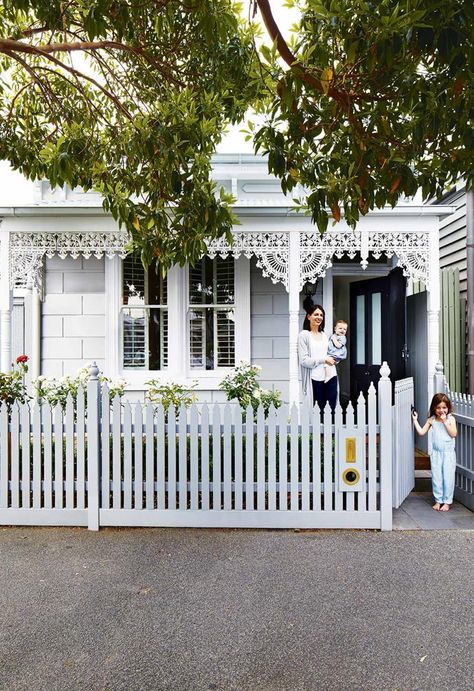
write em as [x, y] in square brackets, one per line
[436, 400]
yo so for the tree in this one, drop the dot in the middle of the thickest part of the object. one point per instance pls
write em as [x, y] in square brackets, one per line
[374, 102]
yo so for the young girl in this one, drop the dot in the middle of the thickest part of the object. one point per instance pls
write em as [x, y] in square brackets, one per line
[443, 457]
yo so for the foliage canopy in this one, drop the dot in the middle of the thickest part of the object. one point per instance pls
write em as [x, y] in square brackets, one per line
[368, 101]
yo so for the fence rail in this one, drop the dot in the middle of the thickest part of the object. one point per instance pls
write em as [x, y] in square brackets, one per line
[100, 462]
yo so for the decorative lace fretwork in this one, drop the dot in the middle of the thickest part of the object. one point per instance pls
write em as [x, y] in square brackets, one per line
[411, 248]
[270, 249]
[27, 252]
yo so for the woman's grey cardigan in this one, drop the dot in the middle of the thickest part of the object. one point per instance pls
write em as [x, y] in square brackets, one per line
[307, 363]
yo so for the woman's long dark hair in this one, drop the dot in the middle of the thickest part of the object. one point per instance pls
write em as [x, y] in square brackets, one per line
[310, 308]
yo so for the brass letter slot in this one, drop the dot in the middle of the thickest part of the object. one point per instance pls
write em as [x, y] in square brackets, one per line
[350, 450]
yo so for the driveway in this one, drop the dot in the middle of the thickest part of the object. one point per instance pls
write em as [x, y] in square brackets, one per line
[232, 609]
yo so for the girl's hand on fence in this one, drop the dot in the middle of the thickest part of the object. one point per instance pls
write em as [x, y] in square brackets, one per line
[414, 415]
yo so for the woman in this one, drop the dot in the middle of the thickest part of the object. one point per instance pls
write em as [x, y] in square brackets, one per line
[312, 353]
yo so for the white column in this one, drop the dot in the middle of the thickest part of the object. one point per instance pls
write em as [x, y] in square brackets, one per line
[433, 308]
[177, 320]
[5, 304]
[294, 308]
[328, 300]
[35, 361]
[113, 321]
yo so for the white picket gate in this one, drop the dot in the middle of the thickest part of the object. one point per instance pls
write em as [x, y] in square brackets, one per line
[112, 463]
[403, 468]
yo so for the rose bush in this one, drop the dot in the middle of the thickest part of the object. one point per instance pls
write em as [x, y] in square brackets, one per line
[12, 384]
[56, 391]
[170, 393]
[242, 385]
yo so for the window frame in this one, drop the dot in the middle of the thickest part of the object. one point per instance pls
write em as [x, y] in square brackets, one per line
[179, 369]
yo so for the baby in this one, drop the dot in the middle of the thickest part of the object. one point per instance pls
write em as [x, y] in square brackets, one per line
[336, 347]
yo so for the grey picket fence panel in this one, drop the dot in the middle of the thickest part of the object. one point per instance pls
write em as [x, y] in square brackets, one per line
[111, 463]
[403, 468]
[463, 405]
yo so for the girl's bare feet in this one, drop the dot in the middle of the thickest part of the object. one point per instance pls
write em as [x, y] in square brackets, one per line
[445, 507]
[437, 506]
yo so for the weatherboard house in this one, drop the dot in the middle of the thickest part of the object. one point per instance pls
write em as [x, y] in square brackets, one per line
[69, 294]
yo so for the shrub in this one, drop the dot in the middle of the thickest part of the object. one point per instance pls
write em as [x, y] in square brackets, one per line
[56, 391]
[170, 393]
[12, 385]
[243, 386]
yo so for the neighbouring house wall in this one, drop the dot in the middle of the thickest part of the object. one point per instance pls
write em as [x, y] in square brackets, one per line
[73, 315]
[452, 241]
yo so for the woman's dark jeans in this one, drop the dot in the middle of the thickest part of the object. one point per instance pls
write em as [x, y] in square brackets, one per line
[325, 392]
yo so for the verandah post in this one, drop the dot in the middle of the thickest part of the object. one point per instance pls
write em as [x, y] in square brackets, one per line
[385, 446]
[93, 447]
[294, 310]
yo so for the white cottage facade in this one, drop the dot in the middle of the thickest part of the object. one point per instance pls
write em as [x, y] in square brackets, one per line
[69, 294]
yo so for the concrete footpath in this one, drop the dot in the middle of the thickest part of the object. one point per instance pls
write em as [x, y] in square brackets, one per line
[126, 609]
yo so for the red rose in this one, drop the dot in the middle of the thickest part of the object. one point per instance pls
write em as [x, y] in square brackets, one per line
[21, 359]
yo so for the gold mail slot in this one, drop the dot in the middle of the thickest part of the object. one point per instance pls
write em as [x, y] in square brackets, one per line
[350, 450]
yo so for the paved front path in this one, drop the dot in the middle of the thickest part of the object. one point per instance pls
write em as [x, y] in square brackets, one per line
[253, 610]
[416, 514]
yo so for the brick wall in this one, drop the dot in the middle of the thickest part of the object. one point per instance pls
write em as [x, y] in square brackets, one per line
[73, 315]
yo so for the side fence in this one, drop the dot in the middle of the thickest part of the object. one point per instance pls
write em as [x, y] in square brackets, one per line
[102, 463]
[464, 412]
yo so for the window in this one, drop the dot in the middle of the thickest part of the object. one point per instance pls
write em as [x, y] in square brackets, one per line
[211, 312]
[144, 316]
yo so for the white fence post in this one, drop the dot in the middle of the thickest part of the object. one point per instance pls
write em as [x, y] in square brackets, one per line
[385, 448]
[439, 380]
[93, 448]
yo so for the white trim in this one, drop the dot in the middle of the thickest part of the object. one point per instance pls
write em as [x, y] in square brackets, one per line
[113, 327]
[242, 309]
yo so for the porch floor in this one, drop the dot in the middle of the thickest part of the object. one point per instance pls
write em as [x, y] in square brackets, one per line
[416, 514]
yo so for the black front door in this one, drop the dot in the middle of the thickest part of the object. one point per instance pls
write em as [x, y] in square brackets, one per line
[377, 330]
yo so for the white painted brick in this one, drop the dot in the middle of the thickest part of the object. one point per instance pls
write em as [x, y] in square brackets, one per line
[280, 348]
[61, 348]
[272, 370]
[261, 304]
[93, 348]
[84, 282]
[280, 304]
[266, 327]
[52, 368]
[85, 326]
[259, 284]
[71, 367]
[94, 303]
[62, 304]
[68, 264]
[94, 264]
[54, 282]
[261, 348]
[52, 327]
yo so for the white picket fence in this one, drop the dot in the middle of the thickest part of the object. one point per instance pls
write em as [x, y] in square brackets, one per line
[463, 405]
[110, 463]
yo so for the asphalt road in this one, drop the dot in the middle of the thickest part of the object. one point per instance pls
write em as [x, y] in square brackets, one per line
[219, 610]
